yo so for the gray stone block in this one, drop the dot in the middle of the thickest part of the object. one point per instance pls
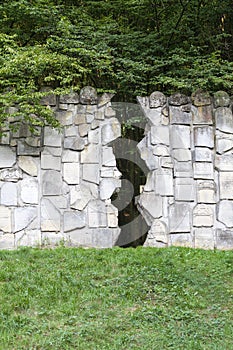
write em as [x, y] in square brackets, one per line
[204, 238]
[159, 135]
[80, 196]
[225, 210]
[23, 149]
[75, 143]
[91, 154]
[180, 136]
[91, 173]
[52, 183]
[50, 216]
[7, 241]
[203, 171]
[180, 217]
[9, 194]
[203, 154]
[203, 215]
[29, 191]
[110, 131]
[88, 95]
[71, 173]
[224, 239]
[23, 217]
[164, 182]
[52, 137]
[226, 185]
[29, 165]
[185, 189]
[178, 116]
[74, 220]
[5, 219]
[224, 119]
[182, 240]
[206, 191]
[157, 99]
[11, 175]
[7, 157]
[97, 214]
[202, 115]
[204, 136]
[224, 162]
[221, 99]
[50, 162]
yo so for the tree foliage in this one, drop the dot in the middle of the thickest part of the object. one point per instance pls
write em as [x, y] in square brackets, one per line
[128, 46]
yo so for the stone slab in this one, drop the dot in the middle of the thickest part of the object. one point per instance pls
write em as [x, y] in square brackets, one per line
[180, 217]
[224, 119]
[29, 190]
[9, 194]
[224, 239]
[225, 212]
[50, 216]
[159, 135]
[203, 154]
[28, 164]
[226, 185]
[5, 219]
[23, 217]
[204, 238]
[71, 173]
[206, 191]
[74, 220]
[203, 215]
[185, 189]
[224, 162]
[204, 136]
[203, 170]
[180, 136]
[7, 157]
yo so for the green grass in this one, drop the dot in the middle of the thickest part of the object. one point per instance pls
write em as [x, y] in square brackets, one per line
[142, 298]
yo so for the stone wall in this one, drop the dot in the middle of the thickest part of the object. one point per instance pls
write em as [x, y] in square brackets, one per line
[188, 148]
[56, 186]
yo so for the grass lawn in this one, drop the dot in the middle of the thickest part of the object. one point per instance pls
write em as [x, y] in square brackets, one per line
[144, 298]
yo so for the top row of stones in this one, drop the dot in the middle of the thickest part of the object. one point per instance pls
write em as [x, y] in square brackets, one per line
[87, 96]
[198, 98]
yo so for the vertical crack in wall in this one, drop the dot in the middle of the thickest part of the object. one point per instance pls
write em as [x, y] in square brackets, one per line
[134, 171]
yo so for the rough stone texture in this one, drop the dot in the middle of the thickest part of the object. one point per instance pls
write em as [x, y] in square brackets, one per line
[7, 158]
[193, 205]
[55, 186]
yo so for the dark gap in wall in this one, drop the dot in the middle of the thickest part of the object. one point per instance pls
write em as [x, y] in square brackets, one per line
[134, 171]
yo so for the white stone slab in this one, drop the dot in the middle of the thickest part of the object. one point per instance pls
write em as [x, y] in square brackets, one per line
[5, 219]
[203, 154]
[71, 173]
[29, 190]
[204, 136]
[185, 189]
[206, 191]
[159, 135]
[203, 215]
[7, 157]
[9, 194]
[203, 170]
[180, 136]
[180, 217]
[226, 185]
[29, 165]
[225, 212]
[204, 238]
